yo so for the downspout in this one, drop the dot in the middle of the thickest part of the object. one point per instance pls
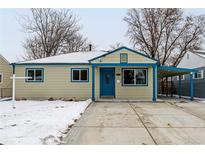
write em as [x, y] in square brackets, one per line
[93, 83]
[180, 87]
[191, 87]
[154, 67]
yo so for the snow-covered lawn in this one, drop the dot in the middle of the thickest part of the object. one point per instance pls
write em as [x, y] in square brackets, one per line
[38, 122]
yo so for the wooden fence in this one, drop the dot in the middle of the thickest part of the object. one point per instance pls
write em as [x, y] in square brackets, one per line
[166, 87]
[5, 92]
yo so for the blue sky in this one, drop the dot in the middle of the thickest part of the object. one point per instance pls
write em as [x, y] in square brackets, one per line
[103, 27]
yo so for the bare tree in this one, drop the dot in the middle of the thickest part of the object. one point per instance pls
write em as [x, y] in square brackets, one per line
[115, 46]
[165, 34]
[51, 32]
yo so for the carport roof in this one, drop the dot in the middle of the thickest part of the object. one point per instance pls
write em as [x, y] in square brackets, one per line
[169, 71]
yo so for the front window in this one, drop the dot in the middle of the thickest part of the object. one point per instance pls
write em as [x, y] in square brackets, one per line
[198, 75]
[34, 75]
[79, 75]
[141, 77]
[1, 78]
[135, 76]
[128, 77]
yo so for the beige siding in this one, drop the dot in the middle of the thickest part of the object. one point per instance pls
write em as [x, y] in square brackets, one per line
[132, 58]
[128, 92]
[135, 92]
[57, 84]
[57, 81]
[6, 85]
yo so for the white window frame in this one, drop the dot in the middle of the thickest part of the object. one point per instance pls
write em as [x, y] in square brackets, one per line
[2, 78]
[80, 69]
[182, 77]
[34, 79]
[202, 74]
[135, 71]
[121, 57]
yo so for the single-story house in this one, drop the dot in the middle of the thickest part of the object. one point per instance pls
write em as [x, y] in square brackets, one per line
[122, 74]
[5, 81]
[195, 60]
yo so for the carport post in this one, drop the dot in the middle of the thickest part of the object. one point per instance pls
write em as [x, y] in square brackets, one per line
[171, 91]
[191, 87]
[180, 86]
[93, 83]
[167, 86]
[154, 67]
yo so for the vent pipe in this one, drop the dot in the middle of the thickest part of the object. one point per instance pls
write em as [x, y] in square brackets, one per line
[90, 47]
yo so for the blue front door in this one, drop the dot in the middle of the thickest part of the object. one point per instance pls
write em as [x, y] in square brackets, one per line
[107, 82]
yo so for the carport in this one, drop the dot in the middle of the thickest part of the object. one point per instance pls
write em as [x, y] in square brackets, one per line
[169, 71]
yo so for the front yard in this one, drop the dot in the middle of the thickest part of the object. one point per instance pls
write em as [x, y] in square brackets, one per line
[38, 122]
[49, 122]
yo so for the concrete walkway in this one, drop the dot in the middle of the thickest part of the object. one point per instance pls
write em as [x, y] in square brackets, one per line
[140, 123]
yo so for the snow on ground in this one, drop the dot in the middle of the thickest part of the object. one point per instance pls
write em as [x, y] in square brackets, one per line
[196, 99]
[37, 122]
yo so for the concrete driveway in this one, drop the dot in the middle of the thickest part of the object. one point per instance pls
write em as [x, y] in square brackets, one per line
[140, 123]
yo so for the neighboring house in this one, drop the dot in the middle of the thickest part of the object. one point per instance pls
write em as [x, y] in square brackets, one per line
[195, 60]
[5, 81]
[122, 74]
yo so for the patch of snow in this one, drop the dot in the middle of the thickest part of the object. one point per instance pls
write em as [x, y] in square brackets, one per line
[38, 122]
[5, 99]
[196, 99]
[194, 61]
[74, 57]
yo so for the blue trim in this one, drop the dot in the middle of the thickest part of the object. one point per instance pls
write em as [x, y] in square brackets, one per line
[191, 87]
[79, 70]
[177, 69]
[107, 68]
[36, 81]
[40, 64]
[122, 64]
[96, 64]
[122, 54]
[32, 64]
[93, 83]
[156, 82]
[154, 67]
[122, 77]
[121, 49]
[180, 86]
[14, 68]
